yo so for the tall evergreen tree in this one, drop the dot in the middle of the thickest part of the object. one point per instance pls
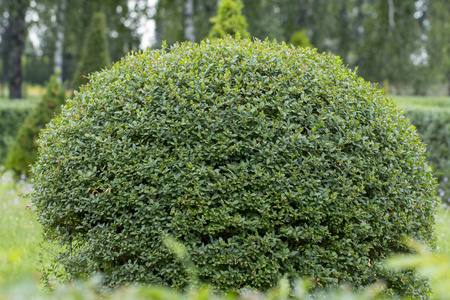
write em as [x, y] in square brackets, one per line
[229, 20]
[95, 54]
[300, 39]
[123, 18]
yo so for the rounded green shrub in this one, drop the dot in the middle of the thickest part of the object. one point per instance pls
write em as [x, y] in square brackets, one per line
[263, 160]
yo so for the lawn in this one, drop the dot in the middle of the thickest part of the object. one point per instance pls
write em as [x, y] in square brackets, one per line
[19, 231]
[420, 101]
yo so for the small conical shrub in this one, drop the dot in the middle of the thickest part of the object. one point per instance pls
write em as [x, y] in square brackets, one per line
[229, 20]
[22, 152]
[300, 39]
[95, 54]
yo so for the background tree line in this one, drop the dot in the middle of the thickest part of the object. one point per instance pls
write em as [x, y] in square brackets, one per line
[397, 43]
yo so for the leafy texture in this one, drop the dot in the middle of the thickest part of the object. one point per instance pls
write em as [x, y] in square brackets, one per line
[22, 153]
[95, 54]
[263, 160]
[229, 20]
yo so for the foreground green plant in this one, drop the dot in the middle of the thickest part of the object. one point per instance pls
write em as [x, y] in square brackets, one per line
[263, 160]
[433, 263]
[429, 264]
[92, 290]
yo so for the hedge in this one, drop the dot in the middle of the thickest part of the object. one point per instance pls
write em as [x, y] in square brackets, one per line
[12, 115]
[433, 125]
[264, 160]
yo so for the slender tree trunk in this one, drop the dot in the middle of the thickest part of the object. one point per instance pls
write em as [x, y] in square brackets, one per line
[17, 24]
[391, 13]
[189, 31]
[60, 41]
[448, 77]
[158, 31]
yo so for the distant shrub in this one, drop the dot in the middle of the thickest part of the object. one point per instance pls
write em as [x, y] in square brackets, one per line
[22, 153]
[95, 54]
[263, 160]
[229, 20]
[12, 115]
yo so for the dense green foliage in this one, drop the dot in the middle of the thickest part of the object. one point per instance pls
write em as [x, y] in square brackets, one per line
[95, 54]
[300, 39]
[229, 20]
[22, 153]
[12, 115]
[262, 159]
[433, 125]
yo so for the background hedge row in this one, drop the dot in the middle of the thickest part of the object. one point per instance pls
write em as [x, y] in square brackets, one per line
[433, 126]
[12, 115]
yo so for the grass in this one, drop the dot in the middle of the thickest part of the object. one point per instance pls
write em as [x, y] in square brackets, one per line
[422, 102]
[441, 285]
[443, 230]
[17, 103]
[19, 231]
[29, 91]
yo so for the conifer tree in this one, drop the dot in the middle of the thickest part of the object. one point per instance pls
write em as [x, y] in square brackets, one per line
[22, 152]
[300, 39]
[95, 54]
[229, 20]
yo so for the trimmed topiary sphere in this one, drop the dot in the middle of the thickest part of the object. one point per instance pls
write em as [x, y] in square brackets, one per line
[263, 160]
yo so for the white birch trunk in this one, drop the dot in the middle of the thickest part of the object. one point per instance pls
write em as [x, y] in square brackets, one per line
[391, 13]
[60, 40]
[189, 32]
